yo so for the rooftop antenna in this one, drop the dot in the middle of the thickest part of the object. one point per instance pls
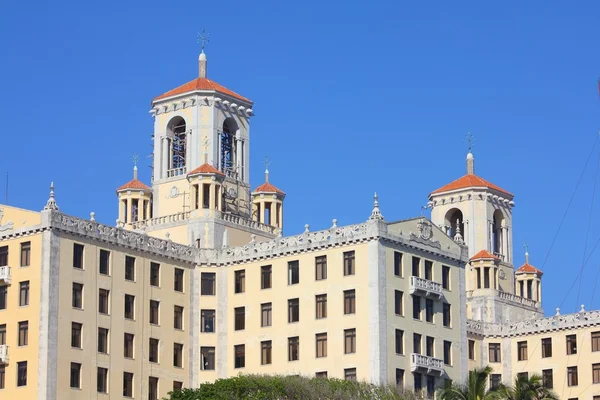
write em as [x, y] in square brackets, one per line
[6, 190]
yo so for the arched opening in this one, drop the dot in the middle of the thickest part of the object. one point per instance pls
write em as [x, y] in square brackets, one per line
[176, 131]
[497, 240]
[228, 144]
[454, 219]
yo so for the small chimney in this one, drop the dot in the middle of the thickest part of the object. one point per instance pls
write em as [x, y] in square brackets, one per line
[470, 164]
[202, 65]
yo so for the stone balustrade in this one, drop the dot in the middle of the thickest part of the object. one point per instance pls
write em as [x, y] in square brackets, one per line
[510, 297]
[165, 219]
[176, 172]
[429, 364]
[425, 286]
[4, 354]
[238, 220]
[5, 278]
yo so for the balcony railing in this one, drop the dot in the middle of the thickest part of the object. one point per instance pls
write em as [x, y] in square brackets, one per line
[513, 298]
[426, 363]
[3, 354]
[5, 278]
[176, 172]
[427, 287]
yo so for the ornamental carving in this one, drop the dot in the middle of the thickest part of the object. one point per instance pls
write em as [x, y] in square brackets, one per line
[7, 226]
[424, 234]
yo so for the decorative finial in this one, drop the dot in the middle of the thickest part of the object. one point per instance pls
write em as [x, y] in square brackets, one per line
[168, 235]
[458, 238]
[469, 140]
[203, 38]
[334, 224]
[51, 203]
[92, 216]
[526, 247]
[205, 142]
[470, 159]
[253, 238]
[557, 311]
[267, 163]
[376, 213]
[306, 228]
[582, 308]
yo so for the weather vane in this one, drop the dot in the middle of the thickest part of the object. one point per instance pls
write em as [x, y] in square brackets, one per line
[135, 159]
[526, 247]
[267, 163]
[469, 140]
[203, 38]
[205, 142]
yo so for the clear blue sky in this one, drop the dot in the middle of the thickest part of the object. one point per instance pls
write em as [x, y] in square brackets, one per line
[371, 96]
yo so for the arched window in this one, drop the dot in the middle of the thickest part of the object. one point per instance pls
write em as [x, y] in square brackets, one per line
[497, 241]
[177, 133]
[228, 153]
[454, 219]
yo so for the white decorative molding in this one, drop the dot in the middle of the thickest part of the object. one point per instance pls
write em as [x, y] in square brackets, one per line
[426, 363]
[426, 287]
[4, 356]
[5, 277]
[8, 226]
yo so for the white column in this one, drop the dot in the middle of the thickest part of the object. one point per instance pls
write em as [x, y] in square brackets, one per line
[129, 215]
[491, 236]
[262, 212]
[188, 150]
[505, 243]
[238, 156]
[165, 157]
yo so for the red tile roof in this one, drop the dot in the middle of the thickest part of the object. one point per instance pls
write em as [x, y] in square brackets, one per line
[206, 169]
[529, 269]
[467, 181]
[268, 188]
[202, 84]
[484, 255]
[133, 184]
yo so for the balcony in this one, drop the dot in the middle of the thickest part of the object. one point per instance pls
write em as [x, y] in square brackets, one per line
[425, 287]
[5, 278]
[426, 364]
[3, 354]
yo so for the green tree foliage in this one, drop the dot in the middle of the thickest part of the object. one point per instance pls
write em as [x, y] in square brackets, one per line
[527, 388]
[475, 388]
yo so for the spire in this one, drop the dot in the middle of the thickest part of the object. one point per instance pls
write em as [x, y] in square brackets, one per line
[135, 172]
[203, 39]
[470, 158]
[267, 163]
[526, 253]
[458, 238]
[51, 203]
[376, 213]
[135, 160]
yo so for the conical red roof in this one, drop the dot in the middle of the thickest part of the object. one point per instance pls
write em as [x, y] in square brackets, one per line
[268, 188]
[206, 169]
[204, 84]
[529, 269]
[484, 255]
[467, 181]
[133, 184]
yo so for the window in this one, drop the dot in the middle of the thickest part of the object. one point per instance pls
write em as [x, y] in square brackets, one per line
[208, 284]
[265, 314]
[349, 301]
[447, 315]
[207, 358]
[349, 267]
[430, 385]
[76, 328]
[129, 306]
[154, 274]
[349, 341]
[321, 339]
[399, 339]
[471, 349]
[3, 297]
[571, 344]
[429, 346]
[293, 310]
[398, 306]
[294, 348]
[2, 334]
[178, 317]
[3, 256]
[25, 254]
[129, 268]
[399, 377]
[596, 373]
[265, 352]
[77, 299]
[293, 272]
[152, 388]
[22, 373]
[24, 293]
[494, 352]
[207, 321]
[153, 350]
[178, 280]
[103, 301]
[547, 379]
[416, 307]
[495, 381]
[265, 276]
[418, 381]
[128, 345]
[416, 263]
[350, 374]
[397, 263]
[320, 268]
[23, 333]
[321, 304]
[77, 256]
[446, 277]
[572, 376]
[104, 265]
[75, 376]
[240, 281]
[127, 384]
[102, 380]
[596, 341]
[239, 355]
[428, 270]
[416, 343]
[546, 347]
[522, 351]
[154, 311]
[178, 355]
[447, 352]
[523, 375]
[321, 375]
[428, 310]
[240, 318]
[103, 340]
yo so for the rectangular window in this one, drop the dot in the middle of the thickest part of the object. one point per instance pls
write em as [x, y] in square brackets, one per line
[239, 355]
[320, 268]
[23, 333]
[418, 381]
[430, 385]
[266, 314]
[447, 352]
[76, 328]
[129, 306]
[349, 259]
[128, 345]
[522, 351]
[77, 298]
[103, 301]
[571, 344]
[523, 375]
[152, 388]
[103, 340]
[240, 281]
[399, 377]
[494, 352]
[596, 341]
[399, 341]
[3, 297]
[25, 254]
[240, 318]
[293, 348]
[445, 277]
[572, 379]
[75, 376]
[2, 334]
[350, 374]
[495, 381]
[429, 346]
[293, 272]
[471, 349]
[207, 358]
[416, 307]
[397, 263]
[129, 268]
[178, 355]
[265, 352]
[428, 270]
[428, 310]
[154, 274]
[178, 280]
[265, 276]
[447, 315]
[127, 384]
[547, 379]
[3, 256]
[153, 350]
[321, 375]
[416, 343]
[595, 373]
[546, 347]
[207, 321]
[22, 373]
[154, 311]
[398, 300]
[349, 301]
[104, 264]
[207, 286]
[321, 339]
[293, 310]
[102, 380]
[349, 341]
[77, 256]
[24, 293]
[178, 317]
[416, 266]
[321, 306]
